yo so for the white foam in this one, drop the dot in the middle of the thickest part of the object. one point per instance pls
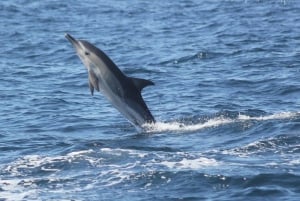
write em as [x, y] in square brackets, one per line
[181, 127]
[79, 153]
[280, 115]
[37, 161]
[11, 190]
[24, 187]
[294, 162]
[214, 122]
[194, 164]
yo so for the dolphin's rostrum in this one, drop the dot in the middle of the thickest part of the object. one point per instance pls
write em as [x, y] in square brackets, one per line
[123, 92]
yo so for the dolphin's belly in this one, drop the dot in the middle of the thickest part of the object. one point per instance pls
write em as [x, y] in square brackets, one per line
[111, 87]
[107, 81]
[130, 109]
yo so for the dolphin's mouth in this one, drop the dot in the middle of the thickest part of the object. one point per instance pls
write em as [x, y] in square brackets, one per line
[71, 39]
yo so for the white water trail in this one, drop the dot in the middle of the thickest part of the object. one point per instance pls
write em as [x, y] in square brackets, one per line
[276, 116]
[181, 127]
[214, 122]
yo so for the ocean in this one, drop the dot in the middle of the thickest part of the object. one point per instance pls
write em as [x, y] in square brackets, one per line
[226, 100]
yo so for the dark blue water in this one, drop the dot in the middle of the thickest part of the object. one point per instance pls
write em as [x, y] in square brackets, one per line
[226, 100]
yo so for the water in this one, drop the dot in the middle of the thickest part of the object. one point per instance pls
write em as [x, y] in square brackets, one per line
[226, 99]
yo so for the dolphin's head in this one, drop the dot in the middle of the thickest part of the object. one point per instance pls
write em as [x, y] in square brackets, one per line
[83, 49]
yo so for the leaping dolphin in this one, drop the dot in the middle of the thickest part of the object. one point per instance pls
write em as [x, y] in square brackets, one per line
[122, 91]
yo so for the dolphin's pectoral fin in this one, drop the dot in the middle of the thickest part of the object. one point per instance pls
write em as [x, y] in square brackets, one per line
[93, 82]
[91, 88]
[141, 83]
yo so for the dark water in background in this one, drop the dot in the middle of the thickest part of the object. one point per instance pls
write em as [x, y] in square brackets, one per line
[226, 99]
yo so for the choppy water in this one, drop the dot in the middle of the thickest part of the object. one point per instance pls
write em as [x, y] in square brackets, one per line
[226, 99]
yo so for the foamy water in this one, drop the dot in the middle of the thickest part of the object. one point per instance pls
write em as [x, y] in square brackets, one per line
[215, 122]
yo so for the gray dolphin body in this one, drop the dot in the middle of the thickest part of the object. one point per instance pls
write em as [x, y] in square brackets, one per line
[123, 92]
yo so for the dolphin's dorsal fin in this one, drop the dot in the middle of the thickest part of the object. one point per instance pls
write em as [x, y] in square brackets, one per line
[93, 82]
[141, 83]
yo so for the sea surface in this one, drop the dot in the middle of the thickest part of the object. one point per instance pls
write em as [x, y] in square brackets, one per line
[226, 100]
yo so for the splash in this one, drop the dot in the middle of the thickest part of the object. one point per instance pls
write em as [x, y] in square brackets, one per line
[182, 127]
[214, 122]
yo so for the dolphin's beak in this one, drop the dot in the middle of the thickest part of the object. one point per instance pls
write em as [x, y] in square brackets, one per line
[71, 39]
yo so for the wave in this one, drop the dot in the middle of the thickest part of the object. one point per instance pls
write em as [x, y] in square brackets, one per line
[104, 167]
[113, 167]
[221, 120]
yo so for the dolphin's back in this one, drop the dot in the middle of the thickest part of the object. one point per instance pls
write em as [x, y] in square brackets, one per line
[128, 90]
[123, 92]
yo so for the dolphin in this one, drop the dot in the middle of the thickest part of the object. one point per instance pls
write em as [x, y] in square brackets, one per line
[123, 92]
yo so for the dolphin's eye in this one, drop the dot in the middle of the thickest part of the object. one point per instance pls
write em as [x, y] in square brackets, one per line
[87, 53]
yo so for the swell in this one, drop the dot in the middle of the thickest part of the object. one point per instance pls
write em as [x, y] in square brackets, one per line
[109, 168]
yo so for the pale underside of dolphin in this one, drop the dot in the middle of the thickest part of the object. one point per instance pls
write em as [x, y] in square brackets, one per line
[123, 92]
